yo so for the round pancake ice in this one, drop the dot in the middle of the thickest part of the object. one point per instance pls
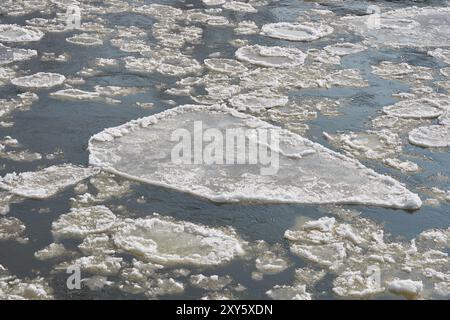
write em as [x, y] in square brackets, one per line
[39, 80]
[434, 136]
[296, 31]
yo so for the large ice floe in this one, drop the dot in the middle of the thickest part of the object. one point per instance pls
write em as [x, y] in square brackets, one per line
[39, 80]
[142, 150]
[296, 31]
[46, 182]
[154, 239]
[278, 57]
[16, 33]
[411, 27]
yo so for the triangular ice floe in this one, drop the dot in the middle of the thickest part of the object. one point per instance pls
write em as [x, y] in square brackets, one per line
[306, 172]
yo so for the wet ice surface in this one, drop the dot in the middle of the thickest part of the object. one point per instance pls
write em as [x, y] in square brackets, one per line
[376, 97]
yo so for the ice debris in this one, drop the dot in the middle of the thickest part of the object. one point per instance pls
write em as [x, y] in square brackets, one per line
[16, 33]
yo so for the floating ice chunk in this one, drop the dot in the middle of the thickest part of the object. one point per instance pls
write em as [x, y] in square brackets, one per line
[299, 179]
[45, 183]
[289, 293]
[408, 288]
[85, 39]
[434, 136]
[138, 275]
[436, 238]
[97, 244]
[39, 80]
[402, 72]
[324, 224]
[406, 166]
[324, 57]
[77, 95]
[9, 55]
[270, 260]
[444, 119]
[277, 57]
[256, 101]
[16, 33]
[356, 284]
[95, 283]
[178, 65]
[308, 276]
[228, 66]
[239, 6]
[214, 282]
[98, 265]
[12, 229]
[343, 49]
[81, 222]
[176, 243]
[52, 251]
[224, 295]
[162, 287]
[442, 288]
[369, 144]
[108, 187]
[414, 109]
[222, 91]
[344, 78]
[327, 255]
[9, 150]
[6, 74]
[246, 27]
[213, 2]
[159, 11]
[296, 31]
[442, 54]
[12, 288]
[6, 199]
[405, 27]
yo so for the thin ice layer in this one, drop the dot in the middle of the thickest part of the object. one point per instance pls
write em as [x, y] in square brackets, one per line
[306, 172]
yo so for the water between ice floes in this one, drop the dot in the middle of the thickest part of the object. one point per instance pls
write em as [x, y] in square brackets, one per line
[58, 126]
